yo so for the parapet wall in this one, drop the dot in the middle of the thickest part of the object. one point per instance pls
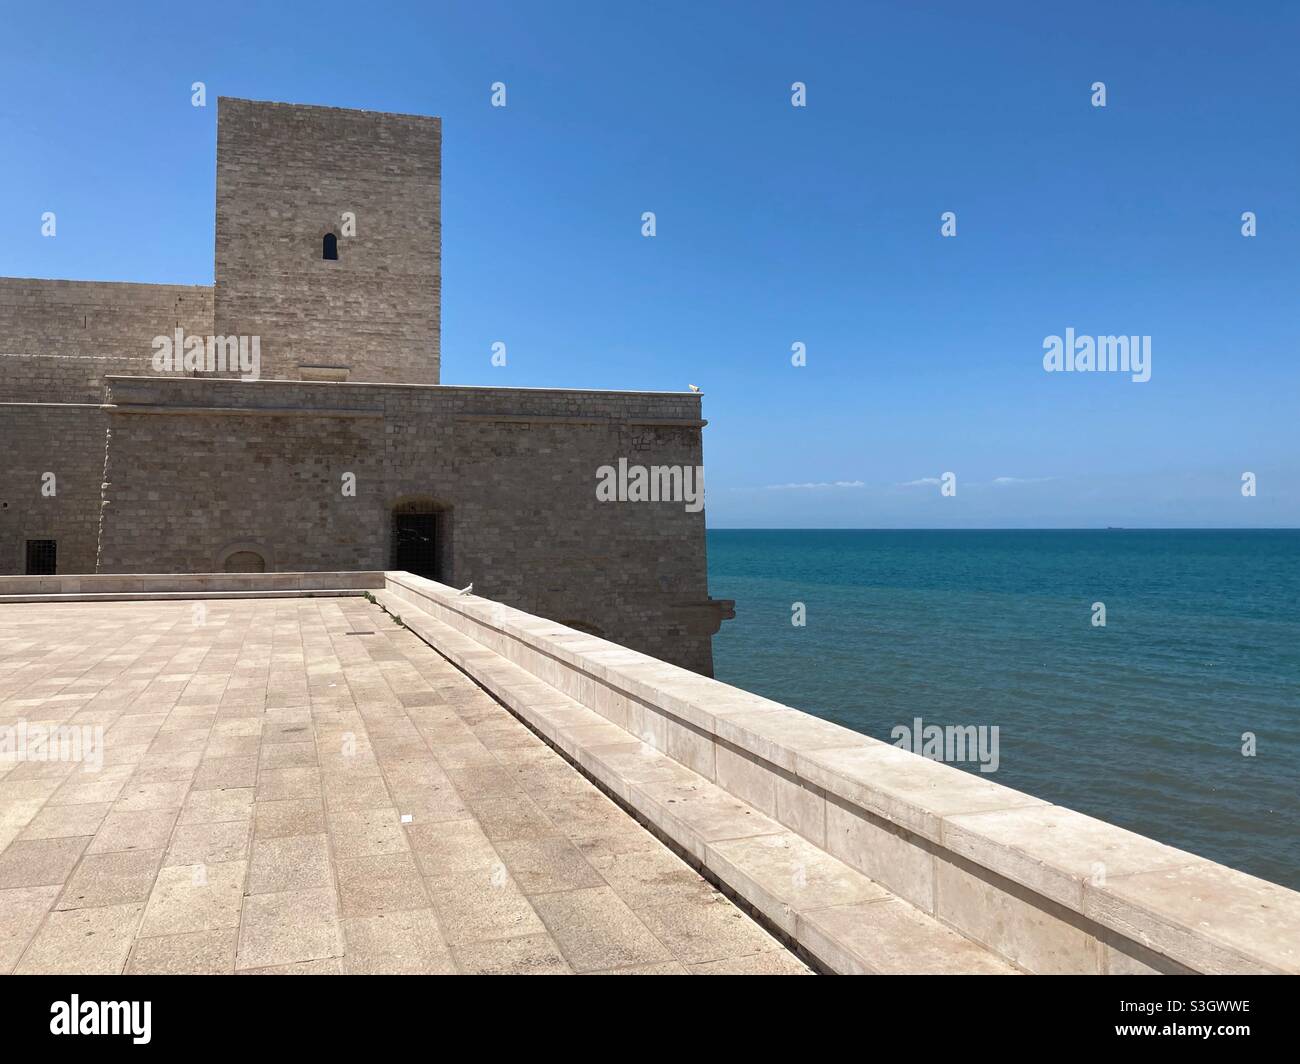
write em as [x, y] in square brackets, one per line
[183, 586]
[60, 339]
[1046, 888]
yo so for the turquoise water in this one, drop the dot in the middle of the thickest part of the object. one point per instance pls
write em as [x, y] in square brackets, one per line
[1139, 722]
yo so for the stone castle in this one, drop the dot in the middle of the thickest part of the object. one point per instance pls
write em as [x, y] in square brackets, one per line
[346, 452]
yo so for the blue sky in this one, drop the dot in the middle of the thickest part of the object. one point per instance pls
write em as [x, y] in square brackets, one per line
[775, 224]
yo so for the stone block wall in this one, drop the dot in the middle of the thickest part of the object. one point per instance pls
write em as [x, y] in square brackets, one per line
[69, 442]
[199, 468]
[59, 339]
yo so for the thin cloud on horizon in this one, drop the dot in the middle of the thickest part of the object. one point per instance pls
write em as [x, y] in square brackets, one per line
[817, 484]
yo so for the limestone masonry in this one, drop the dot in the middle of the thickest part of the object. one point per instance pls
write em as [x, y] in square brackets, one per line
[346, 453]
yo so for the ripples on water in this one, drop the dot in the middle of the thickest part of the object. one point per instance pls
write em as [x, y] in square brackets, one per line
[1139, 723]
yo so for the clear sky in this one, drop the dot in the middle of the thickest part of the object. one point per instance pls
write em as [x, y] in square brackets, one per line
[775, 224]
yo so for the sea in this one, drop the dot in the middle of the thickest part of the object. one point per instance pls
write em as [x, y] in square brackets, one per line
[1178, 717]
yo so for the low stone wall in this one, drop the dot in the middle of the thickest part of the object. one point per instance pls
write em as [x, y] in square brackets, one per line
[1046, 888]
[195, 585]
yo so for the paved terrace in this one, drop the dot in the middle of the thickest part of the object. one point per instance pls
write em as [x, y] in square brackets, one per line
[299, 784]
[259, 765]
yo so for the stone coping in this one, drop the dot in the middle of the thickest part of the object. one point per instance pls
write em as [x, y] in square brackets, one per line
[80, 284]
[243, 411]
[282, 105]
[466, 388]
[1112, 883]
[186, 596]
[106, 586]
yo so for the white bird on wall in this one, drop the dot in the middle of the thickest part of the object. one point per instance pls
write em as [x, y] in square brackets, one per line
[466, 590]
[693, 387]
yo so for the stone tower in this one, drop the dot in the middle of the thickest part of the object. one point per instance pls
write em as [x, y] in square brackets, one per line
[292, 179]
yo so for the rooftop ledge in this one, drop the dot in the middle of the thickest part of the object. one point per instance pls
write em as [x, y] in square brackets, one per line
[1045, 887]
[275, 382]
[854, 849]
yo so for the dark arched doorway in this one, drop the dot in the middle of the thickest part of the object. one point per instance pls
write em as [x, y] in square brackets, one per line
[421, 538]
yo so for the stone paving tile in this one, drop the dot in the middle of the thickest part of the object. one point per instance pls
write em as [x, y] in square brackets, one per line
[276, 798]
[111, 879]
[166, 768]
[145, 830]
[137, 797]
[663, 968]
[287, 755]
[353, 791]
[218, 805]
[705, 928]
[83, 788]
[482, 781]
[483, 905]
[367, 832]
[82, 942]
[523, 955]
[226, 771]
[222, 747]
[292, 816]
[643, 870]
[396, 943]
[771, 962]
[541, 866]
[21, 911]
[66, 821]
[514, 816]
[596, 930]
[297, 925]
[586, 813]
[209, 843]
[195, 953]
[330, 966]
[285, 783]
[39, 862]
[382, 883]
[195, 897]
[446, 848]
[294, 862]
[20, 800]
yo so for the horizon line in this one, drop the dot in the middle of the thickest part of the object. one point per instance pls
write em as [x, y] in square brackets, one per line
[1015, 528]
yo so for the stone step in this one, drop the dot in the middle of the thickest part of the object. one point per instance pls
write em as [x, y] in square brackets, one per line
[846, 921]
[182, 596]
